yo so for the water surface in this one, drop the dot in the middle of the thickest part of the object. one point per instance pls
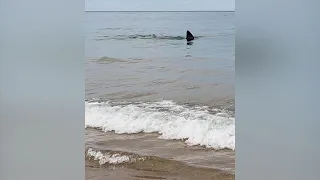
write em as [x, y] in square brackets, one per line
[143, 55]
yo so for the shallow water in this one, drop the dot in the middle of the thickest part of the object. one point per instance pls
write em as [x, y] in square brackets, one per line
[144, 56]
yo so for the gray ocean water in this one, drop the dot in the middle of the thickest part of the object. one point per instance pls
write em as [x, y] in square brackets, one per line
[146, 88]
[143, 56]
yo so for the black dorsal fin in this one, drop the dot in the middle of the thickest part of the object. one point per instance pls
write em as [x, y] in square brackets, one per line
[189, 36]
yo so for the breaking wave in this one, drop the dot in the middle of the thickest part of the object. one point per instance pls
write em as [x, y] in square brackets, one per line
[112, 158]
[196, 125]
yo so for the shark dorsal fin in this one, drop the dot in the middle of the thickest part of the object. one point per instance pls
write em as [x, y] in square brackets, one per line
[189, 36]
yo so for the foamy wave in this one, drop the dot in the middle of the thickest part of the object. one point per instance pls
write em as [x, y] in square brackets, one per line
[107, 157]
[196, 125]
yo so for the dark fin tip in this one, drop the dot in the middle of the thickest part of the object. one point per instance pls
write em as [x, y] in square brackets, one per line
[189, 36]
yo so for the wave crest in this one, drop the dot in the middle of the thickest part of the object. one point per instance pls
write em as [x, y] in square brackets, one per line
[195, 125]
[111, 157]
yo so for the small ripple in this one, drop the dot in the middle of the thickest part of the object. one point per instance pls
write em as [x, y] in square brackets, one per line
[108, 60]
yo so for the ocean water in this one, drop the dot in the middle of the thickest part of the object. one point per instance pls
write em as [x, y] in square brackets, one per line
[142, 77]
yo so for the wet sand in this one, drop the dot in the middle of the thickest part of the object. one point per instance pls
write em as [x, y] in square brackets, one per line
[163, 159]
[154, 170]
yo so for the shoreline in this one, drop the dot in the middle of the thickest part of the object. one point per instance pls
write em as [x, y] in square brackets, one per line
[166, 169]
[152, 167]
[152, 158]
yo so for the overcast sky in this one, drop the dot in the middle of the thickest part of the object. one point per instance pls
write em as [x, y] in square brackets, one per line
[160, 5]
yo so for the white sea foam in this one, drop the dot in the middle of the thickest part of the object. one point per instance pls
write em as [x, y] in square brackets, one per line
[170, 120]
[107, 157]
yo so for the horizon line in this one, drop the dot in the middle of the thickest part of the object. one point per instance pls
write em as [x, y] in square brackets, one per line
[156, 11]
